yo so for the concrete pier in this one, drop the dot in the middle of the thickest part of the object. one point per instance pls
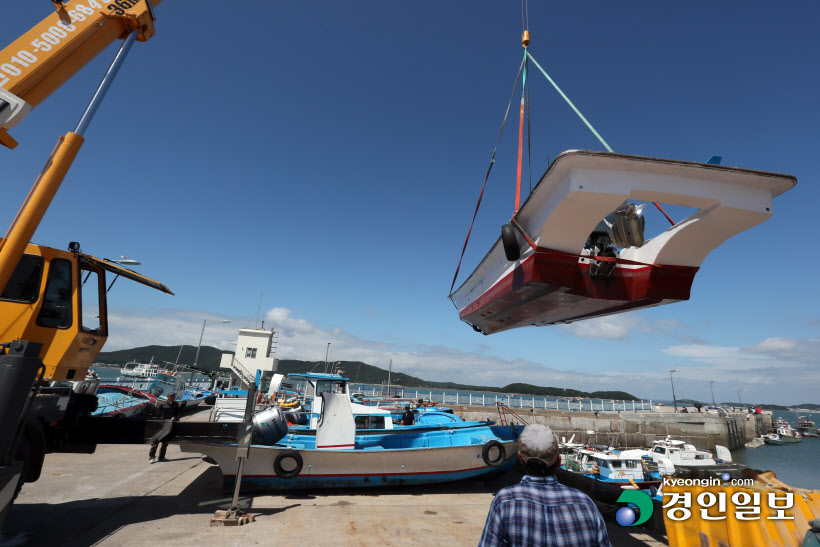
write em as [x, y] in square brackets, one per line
[638, 429]
[115, 498]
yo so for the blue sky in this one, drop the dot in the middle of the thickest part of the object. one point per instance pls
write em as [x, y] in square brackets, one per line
[328, 156]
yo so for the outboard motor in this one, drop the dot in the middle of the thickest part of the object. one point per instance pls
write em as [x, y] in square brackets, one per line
[269, 425]
[622, 228]
[628, 226]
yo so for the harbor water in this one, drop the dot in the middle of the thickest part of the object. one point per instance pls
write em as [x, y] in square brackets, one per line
[116, 377]
[796, 464]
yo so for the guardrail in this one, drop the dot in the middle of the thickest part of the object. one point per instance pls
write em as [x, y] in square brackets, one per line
[520, 401]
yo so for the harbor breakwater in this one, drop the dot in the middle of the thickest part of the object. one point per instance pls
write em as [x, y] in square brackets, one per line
[637, 429]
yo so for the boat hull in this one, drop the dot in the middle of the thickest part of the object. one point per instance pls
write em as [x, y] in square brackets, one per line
[605, 493]
[552, 280]
[121, 401]
[549, 287]
[356, 468]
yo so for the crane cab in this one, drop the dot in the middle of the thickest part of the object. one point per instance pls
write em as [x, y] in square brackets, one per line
[59, 298]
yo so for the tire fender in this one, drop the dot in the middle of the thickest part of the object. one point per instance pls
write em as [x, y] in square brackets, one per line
[488, 448]
[509, 239]
[283, 473]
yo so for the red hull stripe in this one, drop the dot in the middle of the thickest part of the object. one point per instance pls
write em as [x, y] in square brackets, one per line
[337, 446]
[552, 286]
[367, 474]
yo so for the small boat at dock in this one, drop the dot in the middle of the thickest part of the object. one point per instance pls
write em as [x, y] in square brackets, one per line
[340, 453]
[806, 427]
[773, 438]
[121, 401]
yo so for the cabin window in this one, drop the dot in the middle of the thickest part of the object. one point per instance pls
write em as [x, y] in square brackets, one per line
[24, 284]
[369, 422]
[251, 353]
[56, 311]
[603, 463]
[660, 450]
[92, 315]
[326, 386]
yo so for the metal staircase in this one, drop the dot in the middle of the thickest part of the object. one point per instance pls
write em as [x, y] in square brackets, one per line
[246, 378]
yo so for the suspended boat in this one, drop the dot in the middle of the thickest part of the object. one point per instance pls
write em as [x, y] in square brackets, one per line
[557, 262]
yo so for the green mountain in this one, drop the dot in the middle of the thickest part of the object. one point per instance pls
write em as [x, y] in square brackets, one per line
[358, 372]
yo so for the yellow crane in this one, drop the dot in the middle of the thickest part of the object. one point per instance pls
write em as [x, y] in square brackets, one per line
[53, 313]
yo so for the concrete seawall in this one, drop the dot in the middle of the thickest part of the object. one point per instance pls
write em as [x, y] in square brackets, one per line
[637, 429]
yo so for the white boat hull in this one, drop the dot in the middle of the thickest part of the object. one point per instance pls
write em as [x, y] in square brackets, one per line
[553, 282]
[334, 468]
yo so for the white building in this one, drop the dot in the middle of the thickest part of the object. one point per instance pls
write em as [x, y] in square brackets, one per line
[253, 357]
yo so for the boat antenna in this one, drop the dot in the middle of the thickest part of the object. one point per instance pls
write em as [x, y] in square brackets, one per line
[259, 308]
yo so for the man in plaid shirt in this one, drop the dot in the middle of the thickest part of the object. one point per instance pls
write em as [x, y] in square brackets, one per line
[539, 510]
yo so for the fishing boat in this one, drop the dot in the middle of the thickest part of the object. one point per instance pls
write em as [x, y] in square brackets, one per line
[788, 434]
[806, 427]
[773, 438]
[187, 396]
[121, 401]
[337, 455]
[558, 261]
[141, 371]
[603, 472]
[683, 456]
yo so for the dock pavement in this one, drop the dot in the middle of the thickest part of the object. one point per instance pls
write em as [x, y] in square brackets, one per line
[115, 497]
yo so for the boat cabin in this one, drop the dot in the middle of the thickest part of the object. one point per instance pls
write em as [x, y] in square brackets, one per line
[310, 387]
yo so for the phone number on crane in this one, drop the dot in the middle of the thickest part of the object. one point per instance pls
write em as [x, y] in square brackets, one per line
[55, 34]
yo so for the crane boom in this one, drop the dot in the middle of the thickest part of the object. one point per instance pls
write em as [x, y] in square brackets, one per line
[44, 58]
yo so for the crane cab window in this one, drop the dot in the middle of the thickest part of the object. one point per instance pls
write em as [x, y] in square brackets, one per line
[56, 311]
[24, 285]
[93, 313]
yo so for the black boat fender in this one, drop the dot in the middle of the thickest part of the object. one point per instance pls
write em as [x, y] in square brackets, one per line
[509, 240]
[284, 473]
[488, 449]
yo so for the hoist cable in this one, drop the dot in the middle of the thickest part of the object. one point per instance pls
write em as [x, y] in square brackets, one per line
[558, 89]
[487, 176]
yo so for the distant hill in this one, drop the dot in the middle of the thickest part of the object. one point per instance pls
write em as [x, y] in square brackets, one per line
[209, 358]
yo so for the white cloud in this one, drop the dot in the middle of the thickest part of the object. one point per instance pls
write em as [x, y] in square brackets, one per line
[807, 351]
[612, 327]
[622, 326]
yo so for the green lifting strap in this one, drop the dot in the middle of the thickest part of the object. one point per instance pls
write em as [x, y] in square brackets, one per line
[558, 89]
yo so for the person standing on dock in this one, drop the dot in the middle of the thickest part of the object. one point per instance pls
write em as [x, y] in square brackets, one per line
[539, 510]
[165, 410]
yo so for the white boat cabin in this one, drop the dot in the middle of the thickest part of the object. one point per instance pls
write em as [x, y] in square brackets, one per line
[308, 389]
[681, 453]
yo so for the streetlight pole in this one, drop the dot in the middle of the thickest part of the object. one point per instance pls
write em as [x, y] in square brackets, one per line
[674, 400]
[738, 396]
[713, 392]
[198, 346]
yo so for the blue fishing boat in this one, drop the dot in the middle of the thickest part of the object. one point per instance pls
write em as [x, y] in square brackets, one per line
[603, 472]
[121, 401]
[339, 453]
[187, 396]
